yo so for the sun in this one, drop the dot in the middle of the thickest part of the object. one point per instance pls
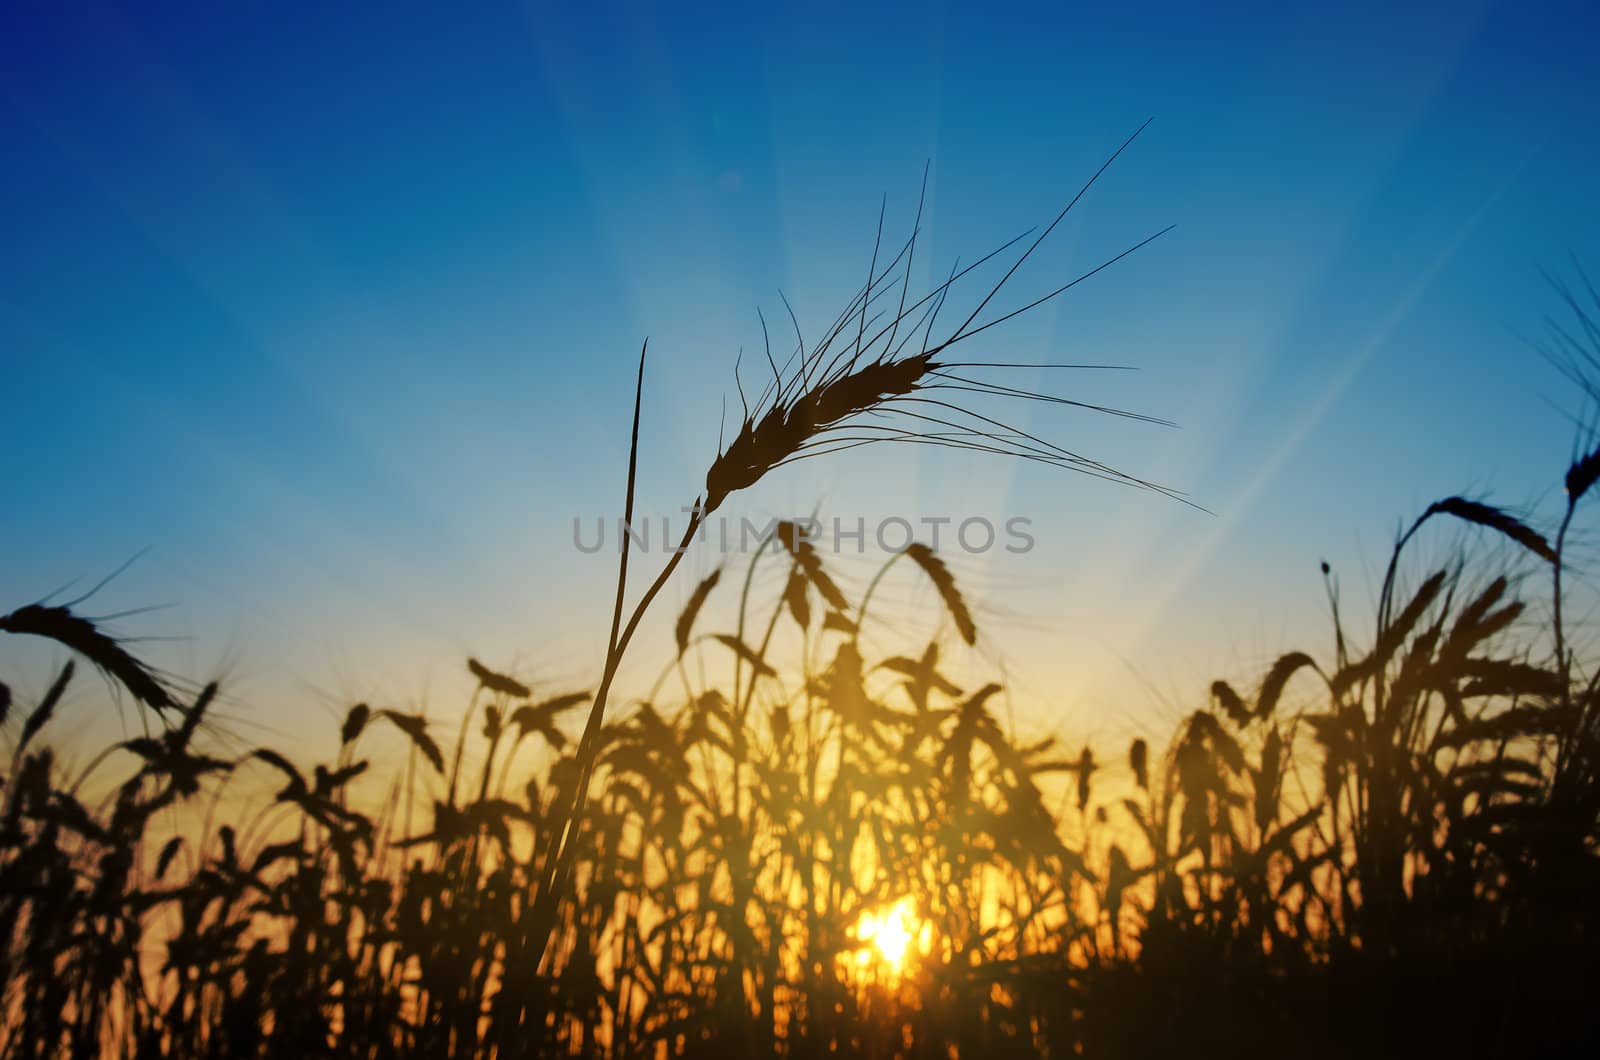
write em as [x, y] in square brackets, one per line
[888, 934]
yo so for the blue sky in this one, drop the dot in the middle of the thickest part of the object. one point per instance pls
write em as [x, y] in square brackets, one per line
[334, 312]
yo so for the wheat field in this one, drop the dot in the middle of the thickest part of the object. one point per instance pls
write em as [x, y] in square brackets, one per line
[1384, 850]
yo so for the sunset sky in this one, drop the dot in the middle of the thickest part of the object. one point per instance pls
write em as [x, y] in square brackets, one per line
[336, 312]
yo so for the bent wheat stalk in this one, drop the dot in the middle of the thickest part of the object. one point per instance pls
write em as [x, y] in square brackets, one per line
[857, 386]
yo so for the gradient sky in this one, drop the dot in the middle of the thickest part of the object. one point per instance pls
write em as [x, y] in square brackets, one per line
[334, 310]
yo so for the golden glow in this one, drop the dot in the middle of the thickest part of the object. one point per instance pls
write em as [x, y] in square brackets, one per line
[888, 934]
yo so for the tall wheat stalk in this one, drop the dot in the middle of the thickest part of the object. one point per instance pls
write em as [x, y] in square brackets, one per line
[858, 385]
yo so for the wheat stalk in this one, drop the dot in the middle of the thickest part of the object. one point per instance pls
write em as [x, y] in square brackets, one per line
[857, 386]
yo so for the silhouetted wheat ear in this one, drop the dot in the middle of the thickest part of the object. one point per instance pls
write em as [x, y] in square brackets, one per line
[498, 682]
[40, 716]
[863, 382]
[805, 557]
[415, 727]
[940, 576]
[80, 635]
[1273, 684]
[1579, 478]
[1232, 703]
[1139, 762]
[784, 430]
[744, 651]
[1582, 475]
[354, 722]
[691, 610]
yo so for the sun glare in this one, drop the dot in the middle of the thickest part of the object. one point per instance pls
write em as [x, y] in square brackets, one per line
[887, 934]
